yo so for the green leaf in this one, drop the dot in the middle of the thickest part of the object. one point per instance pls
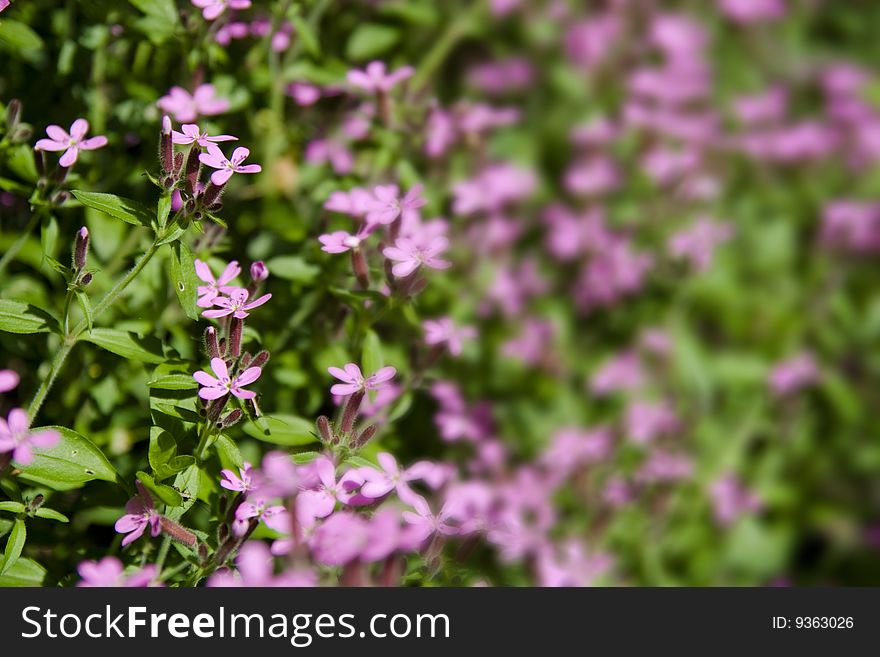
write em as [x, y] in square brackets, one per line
[306, 35]
[14, 545]
[176, 233]
[185, 414]
[164, 209]
[74, 461]
[85, 305]
[369, 40]
[303, 458]
[160, 20]
[24, 572]
[228, 451]
[371, 358]
[174, 382]
[18, 317]
[163, 456]
[49, 237]
[282, 430]
[165, 494]
[127, 344]
[127, 210]
[18, 38]
[188, 483]
[184, 279]
[12, 507]
[51, 514]
[293, 268]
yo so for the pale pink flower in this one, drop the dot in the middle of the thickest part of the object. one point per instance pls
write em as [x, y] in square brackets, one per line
[72, 143]
[339, 539]
[645, 421]
[386, 206]
[665, 467]
[320, 502]
[212, 9]
[236, 304]
[17, 438]
[186, 107]
[376, 79]
[793, 374]
[424, 523]
[303, 93]
[752, 11]
[214, 388]
[410, 255]
[730, 499]
[8, 380]
[191, 134]
[109, 572]
[355, 202]
[569, 564]
[255, 568]
[340, 241]
[262, 510]
[443, 331]
[697, 242]
[354, 381]
[621, 373]
[392, 478]
[242, 483]
[215, 286]
[215, 159]
[139, 514]
[320, 151]
[4, 4]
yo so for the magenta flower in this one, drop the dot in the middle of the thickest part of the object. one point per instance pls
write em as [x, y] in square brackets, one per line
[353, 380]
[223, 384]
[236, 304]
[259, 271]
[444, 331]
[4, 4]
[16, 437]
[8, 380]
[255, 568]
[424, 523]
[410, 255]
[730, 499]
[376, 79]
[339, 539]
[259, 509]
[186, 107]
[793, 374]
[139, 513]
[303, 93]
[392, 478]
[71, 143]
[340, 241]
[215, 286]
[242, 484]
[355, 202]
[386, 206]
[190, 134]
[211, 9]
[215, 159]
[108, 572]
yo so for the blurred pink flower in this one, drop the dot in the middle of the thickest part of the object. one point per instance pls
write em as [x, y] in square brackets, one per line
[187, 108]
[340, 241]
[72, 143]
[410, 255]
[730, 500]
[339, 539]
[392, 478]
[697, 242]
[386, 206]
[214, 388]
[793, 374]
[852, 226]
[376, 79]
[212, 9]
[645, 421]
[108, 572]
[622, 372]
[569, 564]
[443, 331]
[665, 467]
[320, 151]
[258, 508]
[17, 438]
[424, 523]
[355, 202]
[255, 568]
[8, 380]
[303, 93]
[752, 11]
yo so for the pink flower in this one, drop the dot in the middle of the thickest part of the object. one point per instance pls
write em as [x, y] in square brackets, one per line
[354, 381]
[730, 500]
[140, 513]
[424, 523]
[793, 374]
[108, 572]
[211, 9]
[190, 134]
[71, 143]
[303, 93]
[259, 271]
[663, 466]
[752, 11]
[271, 514]
[242, 484]
[340, 241]
[375, 79]
[645, 421]
[4, 4]
[8, 380]
[223, 384]
[697, 242]
[391, 478]
[386, 206]
[215, 159]
[320, 151]
[215, 286]
[255, 568]
[444, 331]
[410, 255]
[339, 539]
[236, 304]
[16, 437]
[187, 108]
[320, 502]
[622, 372]
[355, 202]
[569, 565]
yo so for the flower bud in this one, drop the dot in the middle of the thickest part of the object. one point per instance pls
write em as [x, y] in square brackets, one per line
[259, 271]
[349, 415]
[324, 430]
[13, 113]
[166, 147]
[231, 418]
[212, 194]
[193, 167]
[260, 359]
[81, 248]
[85, 279]
[177, 532]
[178, 163]
[235, 329]
[364, 437]
[211, 345]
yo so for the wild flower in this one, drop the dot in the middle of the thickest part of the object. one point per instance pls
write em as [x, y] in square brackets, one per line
[386, 205]
[215, 159]
[8, 380]
[443, 331]
[71, 143]
[242, 483]
[212, 9]
[223, 384]
[109, 572]
[236, 304]
[140, 513]
[17, 439]
[376, 79]
[186, 107]
[409, 255]
[354, 381]
[215, 286]
[190, 133]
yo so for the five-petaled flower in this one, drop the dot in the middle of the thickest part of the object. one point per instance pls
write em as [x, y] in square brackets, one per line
[215, 286]
[444, 331]
[354, 381]
[340, 241]
[243, 483]
[391, 477]
[191, 134]
[16, 437]
[410, 254]
[320, 502]
[139, 514]
[215, 159]
[211, 9]
[259, 509]
[109, 572]
[224, 384]
[376, 79]
[386, 206]
[186, 107]
[71, 144]
[236, 304]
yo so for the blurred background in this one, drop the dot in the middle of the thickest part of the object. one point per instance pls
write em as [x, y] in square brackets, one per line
[665, 224]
